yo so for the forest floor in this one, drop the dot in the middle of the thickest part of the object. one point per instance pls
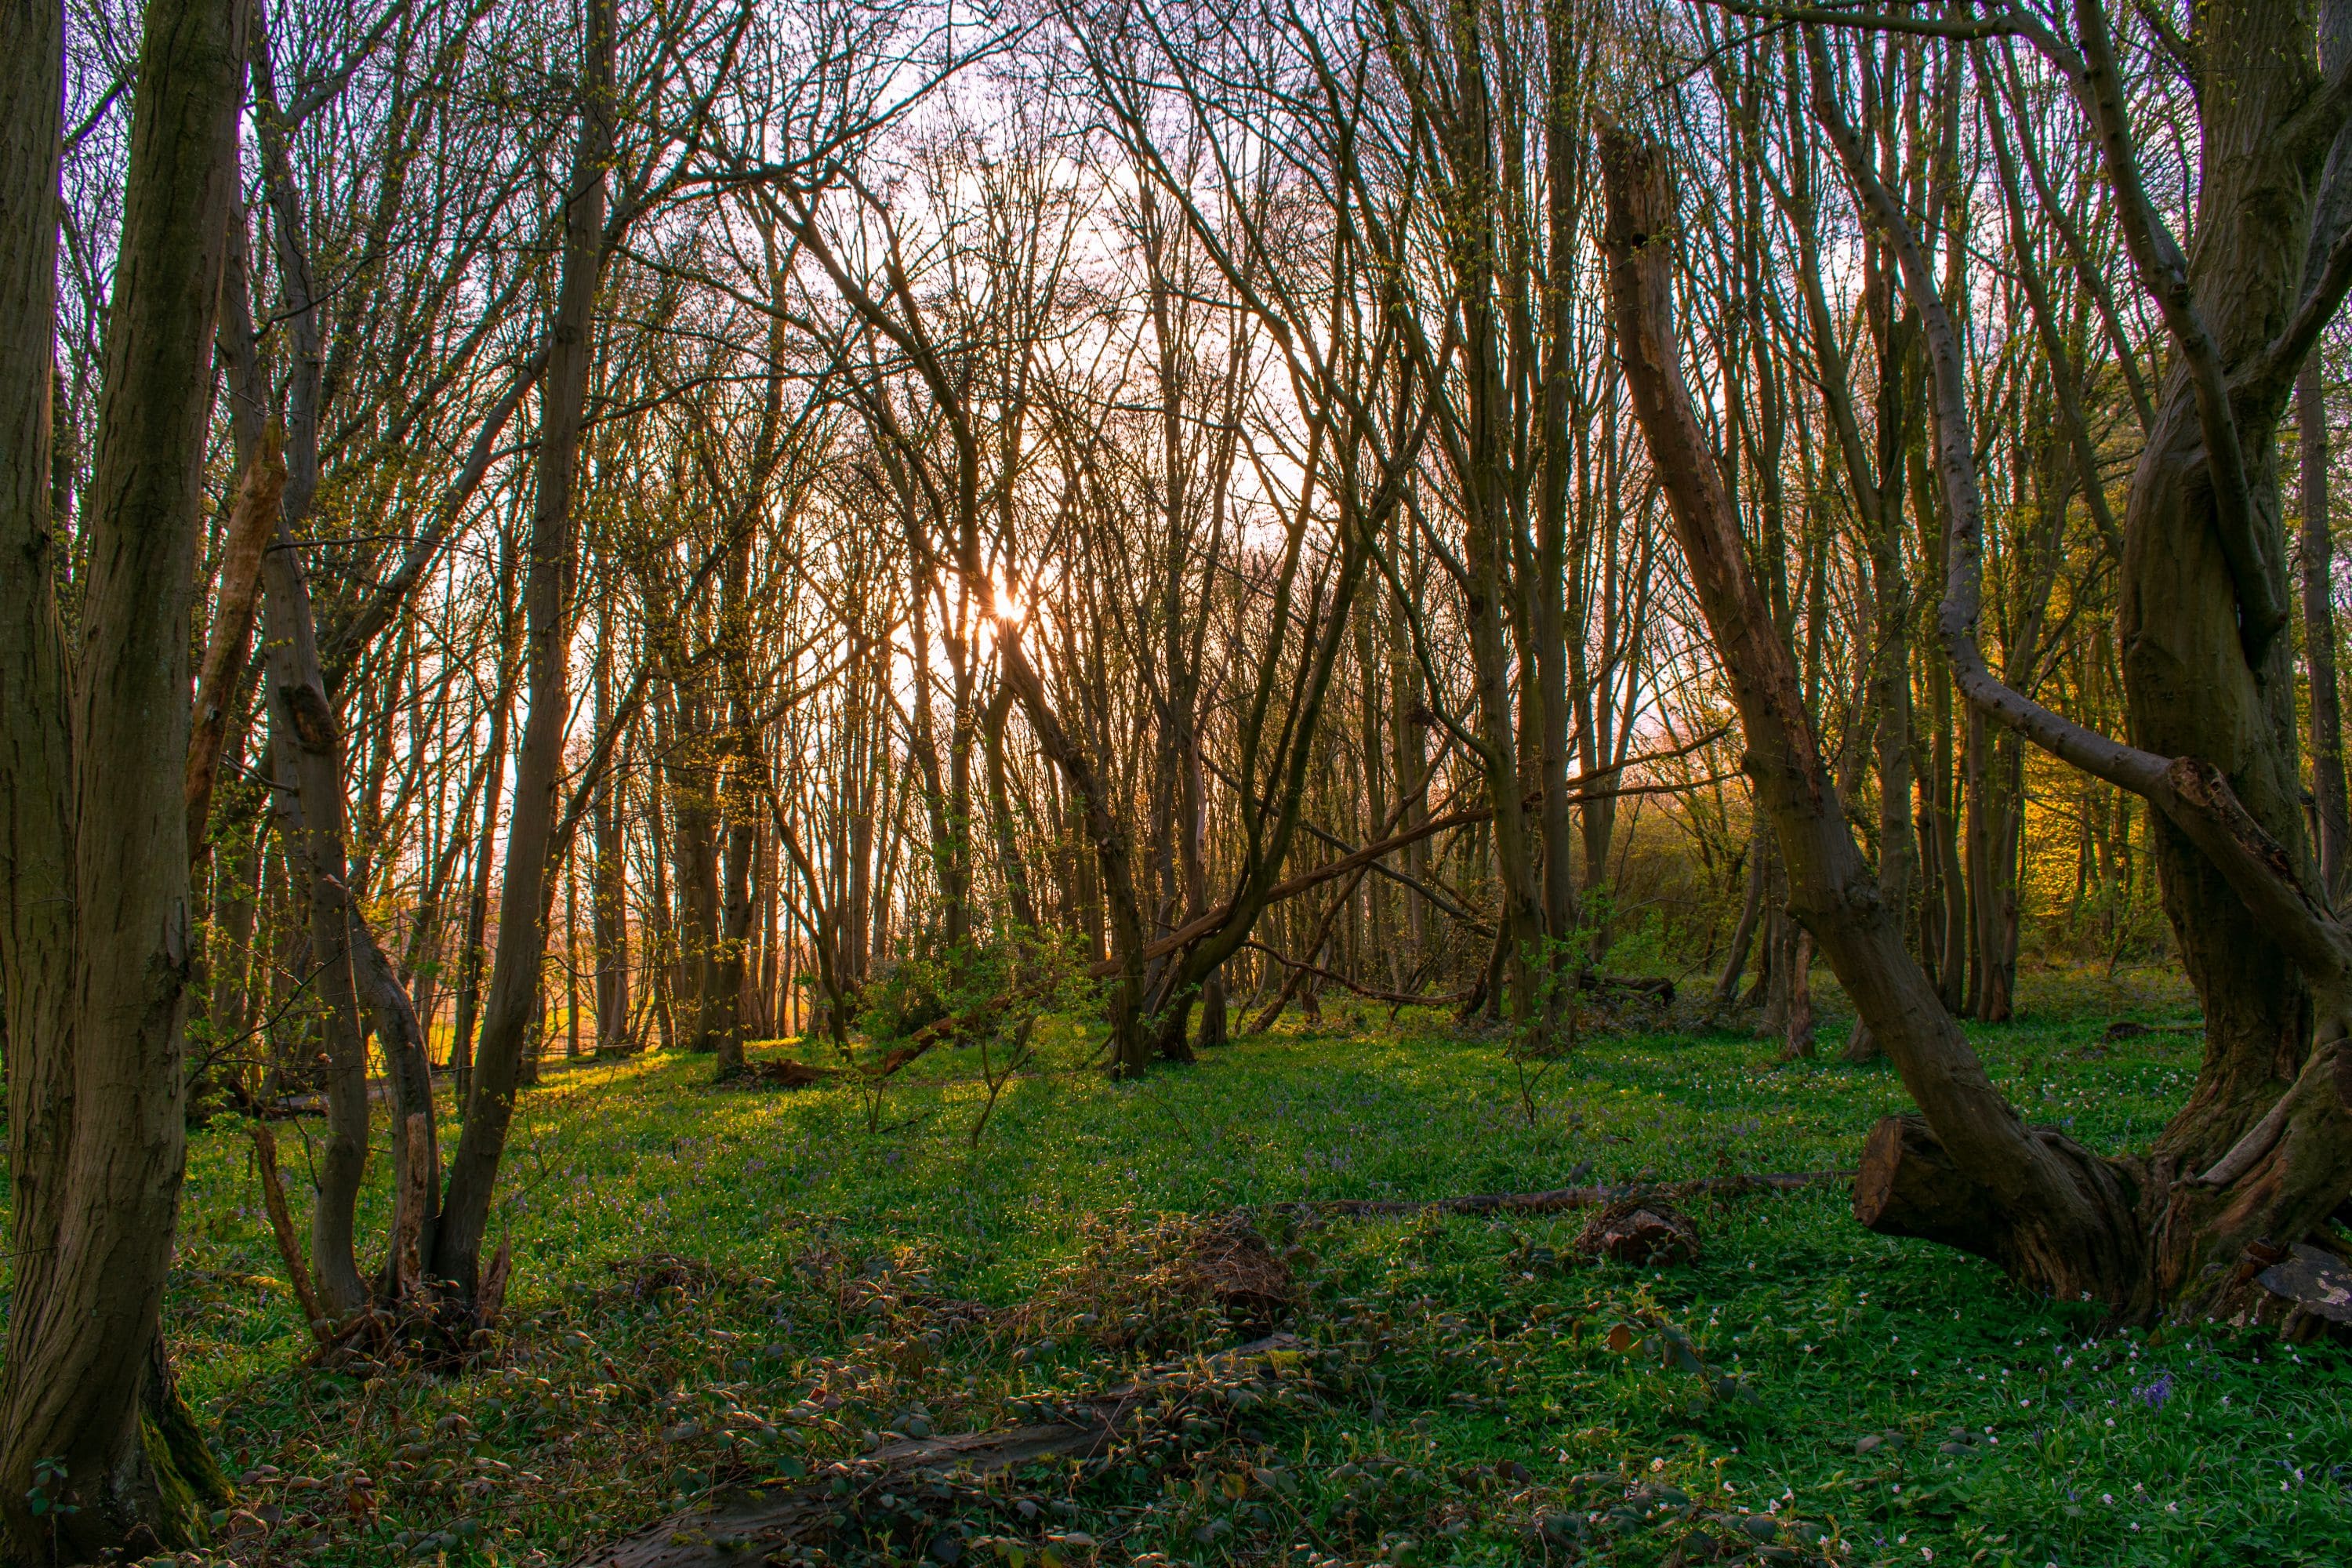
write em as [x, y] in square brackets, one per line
[715, 1287]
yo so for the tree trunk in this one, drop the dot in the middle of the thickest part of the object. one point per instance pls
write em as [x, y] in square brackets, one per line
[661, 969]
[694, 829]
[236, 906]
[2062, 1210]
[1563, 137]
[724, 1004]
[1993, 808]
[253, 521]
[308, 750]
[523, 935]
[570, 961]
[2168, 1232]
[609, 896]
[1409, 716]
[1890, 670]
[1008, 860]
[1797, 1023]
[1943, 905]
[94, 922]
[2200, 679]
[1752, 912]
[1131, 1047]
[470, 954]
[2328, 788]
[2181, 619]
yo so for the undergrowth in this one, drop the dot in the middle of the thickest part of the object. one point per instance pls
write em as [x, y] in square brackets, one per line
[717, 1287]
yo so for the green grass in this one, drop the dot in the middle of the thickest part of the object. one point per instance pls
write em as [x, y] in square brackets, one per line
[1887, 1400]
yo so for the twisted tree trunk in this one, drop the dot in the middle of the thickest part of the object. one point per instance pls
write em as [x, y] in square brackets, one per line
[2262, 1152]
[2065, 1212]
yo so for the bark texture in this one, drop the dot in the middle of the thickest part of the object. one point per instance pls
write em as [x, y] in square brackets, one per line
[95, 949]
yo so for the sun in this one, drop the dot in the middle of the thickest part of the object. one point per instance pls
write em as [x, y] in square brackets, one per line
[1006, 606]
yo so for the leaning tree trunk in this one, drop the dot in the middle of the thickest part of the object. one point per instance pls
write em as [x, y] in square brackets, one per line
[2061, 1204]
[94, 929]
[2247, 1170]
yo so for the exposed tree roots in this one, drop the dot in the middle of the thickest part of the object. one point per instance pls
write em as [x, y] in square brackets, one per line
[415, 1323]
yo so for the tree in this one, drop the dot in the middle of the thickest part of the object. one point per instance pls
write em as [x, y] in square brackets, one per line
[548, 573]
[2240, 1169]
[96, 956]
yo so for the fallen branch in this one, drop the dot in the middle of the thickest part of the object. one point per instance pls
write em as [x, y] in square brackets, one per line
[1215, 920]
[1657, 988]
[915, 1047]
[748, 1525]
[1560, 1200]
[944, 1031]
[1399, 998]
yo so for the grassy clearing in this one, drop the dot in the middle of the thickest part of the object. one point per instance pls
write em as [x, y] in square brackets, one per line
[1804, 1393]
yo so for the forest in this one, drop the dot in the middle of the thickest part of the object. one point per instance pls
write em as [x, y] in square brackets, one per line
[1072, 782]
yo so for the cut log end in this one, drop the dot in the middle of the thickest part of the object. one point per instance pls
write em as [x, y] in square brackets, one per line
[1909, 1187]
[2086, 1245]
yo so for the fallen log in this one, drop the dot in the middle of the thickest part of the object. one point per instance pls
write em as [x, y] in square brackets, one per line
[783, 1073]
[1658, 989]
[1560, 1200]
[789, 1073]
[747, 1525]
[1373, 994]
[1290, 888]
